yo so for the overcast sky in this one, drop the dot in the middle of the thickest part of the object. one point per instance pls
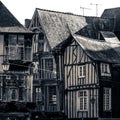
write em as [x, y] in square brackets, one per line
[23, 9]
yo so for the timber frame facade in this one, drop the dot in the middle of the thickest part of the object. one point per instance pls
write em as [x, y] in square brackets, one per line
[81, 83]
[54, 72]
[75, 75]
[16, 46]
[91, 87]
[45, 83]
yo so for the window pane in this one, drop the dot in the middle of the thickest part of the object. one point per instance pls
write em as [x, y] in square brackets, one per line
[14, 94]
[85, 103]
[82, 71]
[20, 53]
[52, 95]
[105, 69]
[81, 93]
[47, 68]
[21, 93]
[28, 52]
[81, 103]
[28, 42]
[107, 99]
[83, 97]
[12, 39]
[20, 39]
[38, 94]
[12, 52]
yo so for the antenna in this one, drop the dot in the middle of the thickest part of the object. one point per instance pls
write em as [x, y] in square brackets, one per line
[96, 8]
[83, 8]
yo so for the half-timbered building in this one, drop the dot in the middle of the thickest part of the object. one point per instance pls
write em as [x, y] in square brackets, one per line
[67, 78]
[50, 28]
[15, 61]
[90, 69]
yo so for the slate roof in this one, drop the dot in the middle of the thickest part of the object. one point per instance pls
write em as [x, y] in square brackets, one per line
[113, 13]
[99, 24]
[109, 37]
[99, 50]
[8, 23]
[59, 25]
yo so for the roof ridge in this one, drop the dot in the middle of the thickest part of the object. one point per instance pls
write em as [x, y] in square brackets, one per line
[112, 8]
[69, 13]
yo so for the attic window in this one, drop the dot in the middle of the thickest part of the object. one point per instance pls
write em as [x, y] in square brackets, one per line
[105, 69]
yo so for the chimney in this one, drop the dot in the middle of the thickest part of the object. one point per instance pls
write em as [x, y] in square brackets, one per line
[27, 22]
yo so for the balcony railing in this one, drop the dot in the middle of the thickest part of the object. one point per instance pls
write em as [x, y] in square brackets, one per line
[48, 75]
[52, 108]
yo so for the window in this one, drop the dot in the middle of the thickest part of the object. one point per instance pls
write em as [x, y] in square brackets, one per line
[105, 69]
[82, 74]
[1, 86]
[107, 99]
[47, 68]
[81, 81]
[15, 47]
[83, 100]
[21, 93]
[41, 42]
[14, 94]
[28, 49]
[35, 47]
[12, 41]
[82, 71]
[20, 47]
[38, 94]
[21, 40]
[52, 95]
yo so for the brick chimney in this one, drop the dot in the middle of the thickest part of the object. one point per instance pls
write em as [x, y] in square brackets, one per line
[27, 22]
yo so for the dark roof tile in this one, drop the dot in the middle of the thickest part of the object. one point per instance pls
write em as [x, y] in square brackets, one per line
[99, 51]
[8, 23]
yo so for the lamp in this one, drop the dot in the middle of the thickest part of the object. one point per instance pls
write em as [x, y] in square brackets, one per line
[5, 66]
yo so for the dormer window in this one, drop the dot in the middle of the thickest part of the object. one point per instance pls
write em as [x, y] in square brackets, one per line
[105, 69]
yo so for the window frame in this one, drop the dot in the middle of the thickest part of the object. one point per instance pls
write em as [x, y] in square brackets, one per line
[16, 46]
[107, 95]
[45, 70]
[83, 98]
[52, 95]
[105, 69]
[38, 94]
[82, 71]
[1, 87]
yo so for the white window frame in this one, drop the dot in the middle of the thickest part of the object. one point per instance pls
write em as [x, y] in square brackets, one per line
[83, 100]
[82, 72]
[105, 69]
[107, 98]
